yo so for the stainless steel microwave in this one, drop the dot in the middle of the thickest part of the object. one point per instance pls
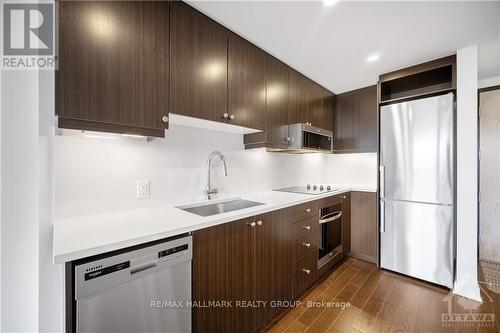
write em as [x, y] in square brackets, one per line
[305, 138]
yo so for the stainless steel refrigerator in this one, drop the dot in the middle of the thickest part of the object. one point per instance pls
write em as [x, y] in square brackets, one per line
[417, 188]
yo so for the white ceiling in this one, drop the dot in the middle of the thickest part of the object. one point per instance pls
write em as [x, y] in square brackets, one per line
[330, 44]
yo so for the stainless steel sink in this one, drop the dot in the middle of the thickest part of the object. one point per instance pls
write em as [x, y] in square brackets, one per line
[208, 209]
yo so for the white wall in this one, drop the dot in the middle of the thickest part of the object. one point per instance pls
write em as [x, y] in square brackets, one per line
[31, 286]
[352, 169]
[19, 111]
[467, 184]
[51, 277]
[489, 82]
[99, 175]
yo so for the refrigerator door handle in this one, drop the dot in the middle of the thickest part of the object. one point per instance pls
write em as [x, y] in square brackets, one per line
[382, 216]
[382, 181]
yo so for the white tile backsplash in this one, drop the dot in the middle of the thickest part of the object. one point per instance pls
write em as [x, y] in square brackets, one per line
[99, 175]
[352, 169]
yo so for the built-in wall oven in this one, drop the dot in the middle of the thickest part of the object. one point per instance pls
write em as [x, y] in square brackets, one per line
[330, 225]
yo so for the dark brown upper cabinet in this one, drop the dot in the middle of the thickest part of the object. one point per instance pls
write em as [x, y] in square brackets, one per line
[325, 117]
[355, 123]
[315, 103]
[298, 98]
[125, 65]
[113, 66]
[198, 72]
[246, 84]
[276, 103]
[320, 106]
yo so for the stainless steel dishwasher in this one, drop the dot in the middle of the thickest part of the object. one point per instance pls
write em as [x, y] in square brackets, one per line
[145, 290]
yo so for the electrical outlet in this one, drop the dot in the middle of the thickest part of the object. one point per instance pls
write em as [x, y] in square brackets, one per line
[142, 189]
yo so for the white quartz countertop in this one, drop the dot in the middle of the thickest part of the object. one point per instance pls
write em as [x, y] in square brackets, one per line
[84, 236]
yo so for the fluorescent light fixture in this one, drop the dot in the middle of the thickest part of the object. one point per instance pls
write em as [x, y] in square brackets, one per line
[113, 136]
[373, 57]
[136, 137]
[98, 135]
[329, 3]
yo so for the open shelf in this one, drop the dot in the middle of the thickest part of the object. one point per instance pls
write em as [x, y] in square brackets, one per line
[418, 81]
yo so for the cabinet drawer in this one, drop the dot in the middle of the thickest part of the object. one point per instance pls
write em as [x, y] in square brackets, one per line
[304, 228]
[305, 272]
[305, 211]
[331, 200]
[305, 245]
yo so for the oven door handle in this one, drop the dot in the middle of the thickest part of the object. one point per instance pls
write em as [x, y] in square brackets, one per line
[330, 217]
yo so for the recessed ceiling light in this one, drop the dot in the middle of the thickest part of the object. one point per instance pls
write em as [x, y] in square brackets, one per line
[329, 3]
[373, 57]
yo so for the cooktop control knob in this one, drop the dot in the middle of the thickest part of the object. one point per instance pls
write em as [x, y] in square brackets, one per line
[321, 188]
[308, 186]
[328, 188]
[315, 187]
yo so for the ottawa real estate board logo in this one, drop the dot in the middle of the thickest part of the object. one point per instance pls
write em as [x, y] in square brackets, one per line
[28, 36]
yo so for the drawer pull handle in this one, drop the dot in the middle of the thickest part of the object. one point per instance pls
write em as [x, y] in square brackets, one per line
[306, 244]
[307, 227]
[252, 224]
[307, 210]
[307, 271]
[259, 222]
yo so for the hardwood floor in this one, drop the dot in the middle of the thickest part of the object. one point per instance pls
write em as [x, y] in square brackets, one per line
[381, 301]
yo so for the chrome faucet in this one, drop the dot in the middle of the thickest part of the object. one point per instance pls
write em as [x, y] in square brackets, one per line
[209, 191]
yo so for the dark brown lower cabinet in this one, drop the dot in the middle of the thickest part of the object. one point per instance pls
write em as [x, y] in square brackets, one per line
[346, 223]
[251, 267]
[223, 270]
[249, 260]
[273, 262]
[364, 228]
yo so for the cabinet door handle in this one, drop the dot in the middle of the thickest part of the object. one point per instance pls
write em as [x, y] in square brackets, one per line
[306, 244]
[225, 115]
[232, 117]
[164, 119]
[259, 222]
[307, 210]
[307, 227]
[344, 197]
[307, 271]
[252, 224]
